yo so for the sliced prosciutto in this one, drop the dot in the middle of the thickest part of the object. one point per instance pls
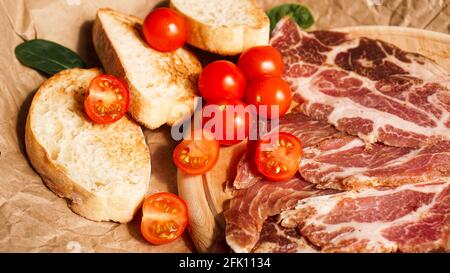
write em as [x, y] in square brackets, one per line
[332, 159]
[345, 163]
[251, 207]
[411, 218]
[277, 239]
[309, 131]
[366, 87]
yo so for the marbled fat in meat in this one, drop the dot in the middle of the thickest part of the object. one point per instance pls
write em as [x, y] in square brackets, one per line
[410, 218]
[332, 159]
[365, 87]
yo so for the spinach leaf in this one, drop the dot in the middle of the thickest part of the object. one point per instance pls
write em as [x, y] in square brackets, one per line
[299, 13]
[47, 56]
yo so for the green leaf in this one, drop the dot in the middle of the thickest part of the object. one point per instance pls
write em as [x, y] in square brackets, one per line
[47, 56]
[299, 13]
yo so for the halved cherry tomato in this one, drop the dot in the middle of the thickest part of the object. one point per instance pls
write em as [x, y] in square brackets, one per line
[222, 80]
[106, 99]
[278, 156]
[261, 61]
[233, 124]
[164, 218]
[197, 156]
[270, 91]
[165, 30]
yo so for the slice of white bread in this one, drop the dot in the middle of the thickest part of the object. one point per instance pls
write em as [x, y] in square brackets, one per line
[103, 170]
[224, 27]
[162, 85]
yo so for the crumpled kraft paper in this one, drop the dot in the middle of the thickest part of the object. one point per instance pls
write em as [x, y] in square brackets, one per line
[32, 218]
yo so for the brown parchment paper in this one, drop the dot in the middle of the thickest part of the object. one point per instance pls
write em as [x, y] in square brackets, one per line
[32, 218]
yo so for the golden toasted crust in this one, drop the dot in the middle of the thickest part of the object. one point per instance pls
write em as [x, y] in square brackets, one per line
[81, 200]
[228, 40]
[181, 68]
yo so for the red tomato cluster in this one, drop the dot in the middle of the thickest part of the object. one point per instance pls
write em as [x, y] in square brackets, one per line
[255, 80]
[263, 67]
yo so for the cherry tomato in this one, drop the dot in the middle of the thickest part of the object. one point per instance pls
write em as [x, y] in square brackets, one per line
[270, 91]
[197, 156]
[278, 156]
[164, 218]
[233, 123]
[106, 99]
[261, 61]
[165, 30]
[222, 80]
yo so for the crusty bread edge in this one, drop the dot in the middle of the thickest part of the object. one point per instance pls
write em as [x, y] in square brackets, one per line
[105, 51]
[225, 40]
[114, 66]
[80, 200]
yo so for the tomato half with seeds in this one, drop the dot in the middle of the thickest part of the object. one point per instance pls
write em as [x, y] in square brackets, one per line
[164, 218]
[197, 156]
[278, 156]
[106, 99]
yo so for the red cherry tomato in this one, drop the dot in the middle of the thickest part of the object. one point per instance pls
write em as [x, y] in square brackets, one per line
[261, 61]
[165, 30]
[197, 156]
[270, 91]
[106, 99]
[281, 158]
[232, 125]
[222, 80]
[164, 218]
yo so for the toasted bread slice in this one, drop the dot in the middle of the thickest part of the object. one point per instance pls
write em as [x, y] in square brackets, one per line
[162, 85]
[224, 27]
[103, 170]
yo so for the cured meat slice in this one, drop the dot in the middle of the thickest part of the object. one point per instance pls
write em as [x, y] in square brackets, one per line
[411, 218]
[309, 131]
[366, 87]
[277, 239]
[332, 159]
[345, 163]
[250, 208]
[246, 175]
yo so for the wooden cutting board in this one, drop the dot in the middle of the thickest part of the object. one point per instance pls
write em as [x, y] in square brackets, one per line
[206, 196]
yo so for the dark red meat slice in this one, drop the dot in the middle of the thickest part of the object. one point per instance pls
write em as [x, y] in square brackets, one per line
[250, 208]
[410, 218]
[366, 87]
